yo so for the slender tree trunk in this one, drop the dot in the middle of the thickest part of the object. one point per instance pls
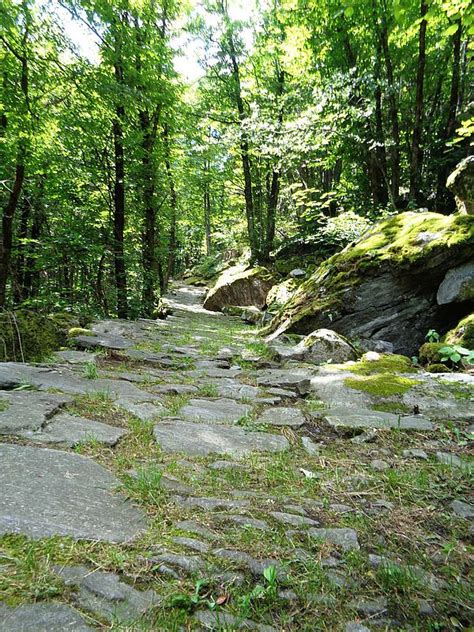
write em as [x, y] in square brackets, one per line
[207, 209]
[150, 262]
[444, 201]
[119, 186]
[19, 290]
[170, 269]
[416, 161]
[394, 149]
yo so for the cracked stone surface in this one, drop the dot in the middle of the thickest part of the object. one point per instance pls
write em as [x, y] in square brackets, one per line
[68, 430]
[28, 410]
[368, 418]
[106, 595]
[203, 439]
[49, 492]
[214, 411]
[42, 617]
[342, 537]
[292, 417]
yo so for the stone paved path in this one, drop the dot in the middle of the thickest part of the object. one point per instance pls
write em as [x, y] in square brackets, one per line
[174, 475]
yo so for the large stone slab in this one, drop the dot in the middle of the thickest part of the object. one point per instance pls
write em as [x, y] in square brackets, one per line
[27, 410]
[41, 617]
[203, 439]
[49, 492]
[289, 379]
[292, 417]
[102, 341]
[367, 418]
[106, 595]
[68, 430]
[214, 411]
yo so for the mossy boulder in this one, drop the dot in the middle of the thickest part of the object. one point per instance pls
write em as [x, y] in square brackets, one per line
[462, 334]
[281, 293]
[80, 331]
[429, 352]
[30, 336]
[240, 286]
[461, 184]
[384, 286]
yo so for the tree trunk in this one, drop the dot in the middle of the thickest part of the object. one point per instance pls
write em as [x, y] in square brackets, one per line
[170, 269]
[444, 200]
[416, 161]
[207, 209]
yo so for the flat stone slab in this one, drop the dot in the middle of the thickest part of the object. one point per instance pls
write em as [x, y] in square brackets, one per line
[67, 431]
[236, 390]
[106, 595]
[214, 411]
[102, 341]
[343, 537]
[42, 617]
[49, 492]
[28, 410]
[146, 411]
[290, 380]
[213, 621]
[72, 356]
[174, 389]
[203, 439]
[367, 418]
[292, 417]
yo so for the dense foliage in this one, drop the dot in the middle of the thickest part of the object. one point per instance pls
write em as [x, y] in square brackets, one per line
[310, 119]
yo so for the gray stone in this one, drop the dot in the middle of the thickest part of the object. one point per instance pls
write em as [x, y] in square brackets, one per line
[370, 607]
[246, 521]
[236, 390]
[214, 411]
[324, 345]
[465, 510]
[68, 430]
[283, 393]
[174, 389]
[340, 508]
[292, 417]
[244, 560]
[143, 410]
[367, 418]
[41, 617]
[447, 458]
[461, 184]
[28, 410]
[71, 356]
[191, 543]
[217, 374]
[239, 286]
[106, 595]
[379, 466]
[188, 564]
[227, 465]
[425, 608]
[294, 520]
[415, 453]
[343, 537]
[210, 504]
[203, 439]
[218, 621]
[353, 626]
[172, 484]
[457, 285]
[308, 444]
[49, 492]
[194, 527]
[292, 380]
[102, 341]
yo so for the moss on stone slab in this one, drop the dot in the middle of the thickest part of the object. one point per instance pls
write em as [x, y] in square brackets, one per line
[463, 333]
[437, 367]
[381, 385]
[80, 331]
[397, 408]
[388, 363]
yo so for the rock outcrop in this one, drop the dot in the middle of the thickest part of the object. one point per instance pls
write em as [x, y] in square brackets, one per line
[240, 286]
[384, 286]
[461, 183]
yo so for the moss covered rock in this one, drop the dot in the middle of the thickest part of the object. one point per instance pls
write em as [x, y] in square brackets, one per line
[429, 352]
[26, 335]
[281, 293]
[384, 286]
[240, 286]
[463, 333]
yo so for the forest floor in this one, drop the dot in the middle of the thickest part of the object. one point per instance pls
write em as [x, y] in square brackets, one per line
[177, 478]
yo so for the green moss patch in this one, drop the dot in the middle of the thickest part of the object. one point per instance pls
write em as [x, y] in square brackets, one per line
[382, 385]
[429, 352]
[80, 331]
[389, 363]
[26, 335]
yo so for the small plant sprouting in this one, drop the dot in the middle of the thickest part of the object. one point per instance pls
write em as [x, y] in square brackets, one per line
[456, 354]
[432, 336]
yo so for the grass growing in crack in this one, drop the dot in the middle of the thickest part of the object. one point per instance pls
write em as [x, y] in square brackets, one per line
[208, 390]
[4, 404]
[99, 406]
[392, 577]
[90, 371]
[145, 485]
[175, 402]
